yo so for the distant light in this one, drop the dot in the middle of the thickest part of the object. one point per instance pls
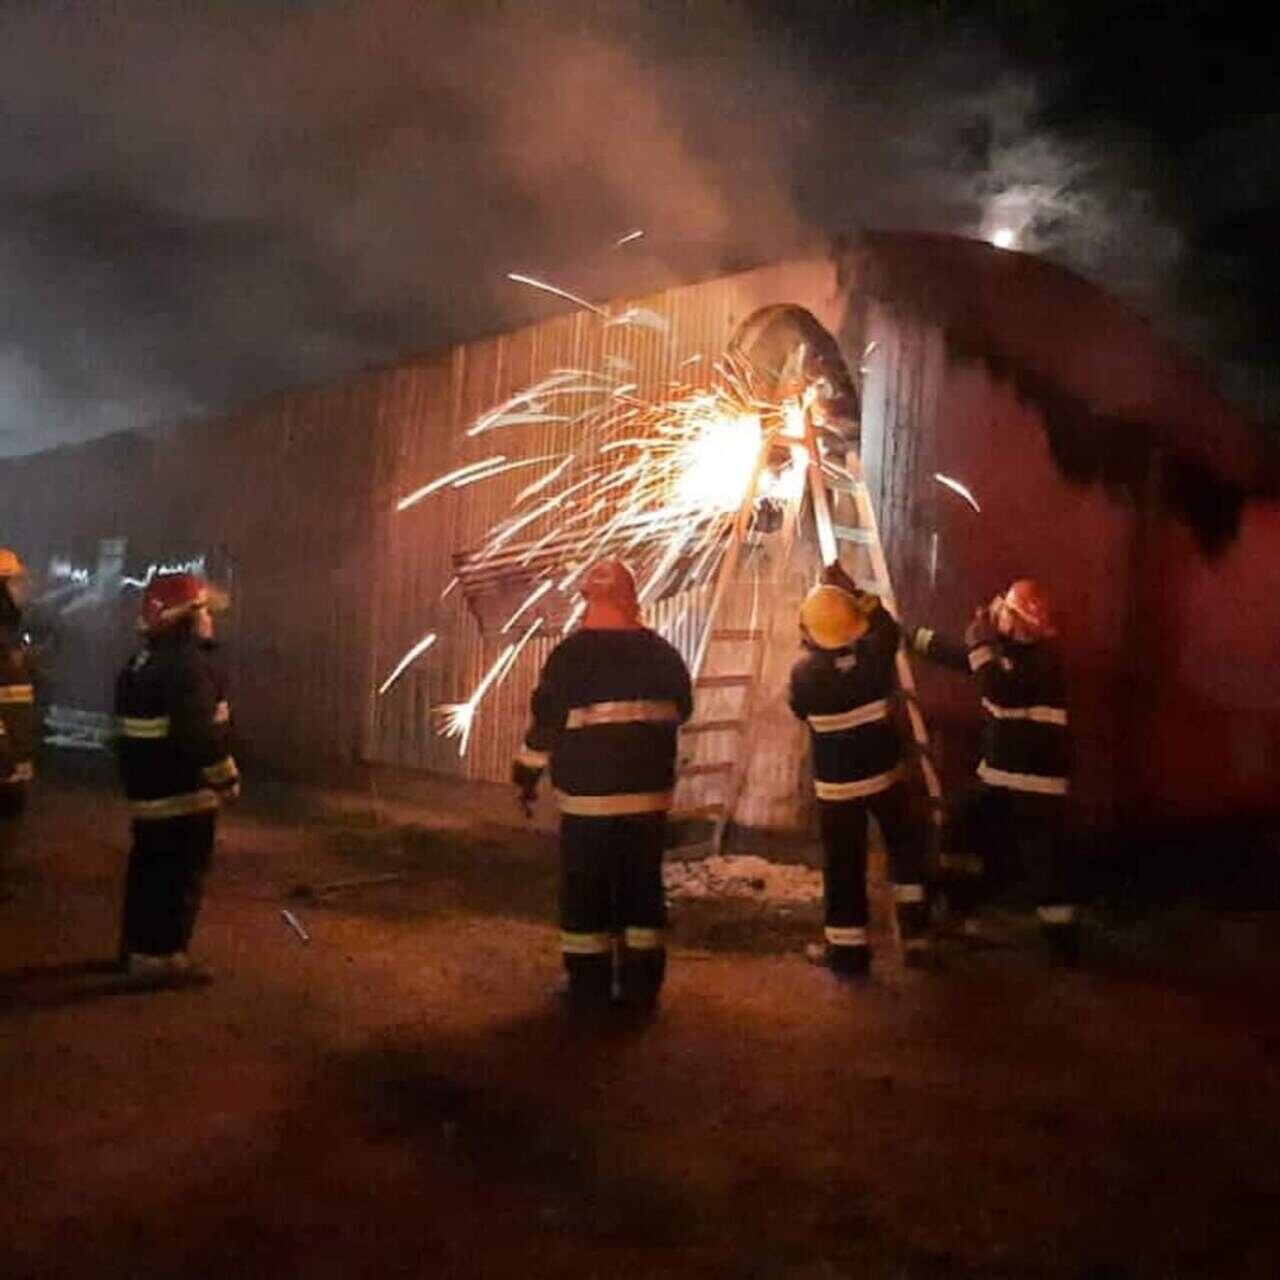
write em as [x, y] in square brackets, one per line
[1004, 238]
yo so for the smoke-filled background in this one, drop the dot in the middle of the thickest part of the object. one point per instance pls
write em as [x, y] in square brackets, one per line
[199, 203]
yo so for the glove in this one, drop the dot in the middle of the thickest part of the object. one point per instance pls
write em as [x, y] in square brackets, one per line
[526, 782]
[980, 630]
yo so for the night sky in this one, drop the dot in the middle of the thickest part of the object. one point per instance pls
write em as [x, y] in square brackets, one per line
[203, 202]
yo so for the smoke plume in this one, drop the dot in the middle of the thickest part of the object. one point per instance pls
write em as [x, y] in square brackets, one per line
[203, 203]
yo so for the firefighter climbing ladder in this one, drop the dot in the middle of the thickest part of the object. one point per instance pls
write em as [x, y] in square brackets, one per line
[828, 484]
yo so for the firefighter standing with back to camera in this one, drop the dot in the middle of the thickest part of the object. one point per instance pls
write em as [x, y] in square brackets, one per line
[1022, 782]
[19, 722]
[173, 725]
[606, 712]
[844, 689]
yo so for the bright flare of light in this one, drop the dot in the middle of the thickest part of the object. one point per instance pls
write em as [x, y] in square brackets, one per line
[1004, 238]
[627, 239]
[717, 463]
[956, 487]
[403, 665]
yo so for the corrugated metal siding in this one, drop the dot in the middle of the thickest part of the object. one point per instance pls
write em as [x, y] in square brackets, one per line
[449, 393]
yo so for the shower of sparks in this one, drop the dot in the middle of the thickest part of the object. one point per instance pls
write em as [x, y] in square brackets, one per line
[559, 293]
[627, 239]
[442, 481]
[659, 482]
[457, 719]
[409, 658]
[956, 487]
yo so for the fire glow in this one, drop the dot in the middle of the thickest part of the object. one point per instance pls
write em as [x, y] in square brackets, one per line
[659, 482]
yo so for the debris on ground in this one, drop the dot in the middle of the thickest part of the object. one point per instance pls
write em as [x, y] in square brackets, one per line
[742, 876]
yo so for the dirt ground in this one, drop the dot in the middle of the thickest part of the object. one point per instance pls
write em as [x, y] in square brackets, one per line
[401, 1096]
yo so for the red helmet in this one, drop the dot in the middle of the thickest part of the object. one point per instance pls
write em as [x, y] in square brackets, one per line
[1029, 603]
[170, 596]
[609, 582]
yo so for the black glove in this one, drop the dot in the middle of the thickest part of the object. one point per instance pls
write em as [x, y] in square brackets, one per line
[526, 782]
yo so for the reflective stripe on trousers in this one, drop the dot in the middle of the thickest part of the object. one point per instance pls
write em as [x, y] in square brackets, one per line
[585, 944]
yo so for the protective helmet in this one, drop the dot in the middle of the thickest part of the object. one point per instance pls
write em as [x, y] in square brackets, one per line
[169, 597]
[611, 582]
[1028, 602]
[832, 618]
[11, 565]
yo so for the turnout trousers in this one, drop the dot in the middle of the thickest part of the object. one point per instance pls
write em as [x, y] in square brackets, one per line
[999, 838]
[843, 824]
[165, 882]
[13, 804]
[611, 892]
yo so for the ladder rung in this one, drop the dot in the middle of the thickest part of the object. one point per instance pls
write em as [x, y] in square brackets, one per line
[737, 635]
[699, 813]
[721, 682]
[839, 485]
[850, 533]
[714, 726]
[703, 770]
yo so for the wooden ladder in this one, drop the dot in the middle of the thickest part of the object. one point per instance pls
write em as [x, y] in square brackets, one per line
[737, 655]
[829, 484]
[740, 652]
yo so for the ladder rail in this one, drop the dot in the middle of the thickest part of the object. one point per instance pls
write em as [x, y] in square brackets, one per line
[829, 547]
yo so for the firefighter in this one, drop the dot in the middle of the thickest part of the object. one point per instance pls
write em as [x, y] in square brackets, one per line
[19, 722]
[606, 712]
[844, 689]
[1022, 778]
[173, 726]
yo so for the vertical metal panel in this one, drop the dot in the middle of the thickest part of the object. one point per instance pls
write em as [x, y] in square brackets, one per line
[702, 319]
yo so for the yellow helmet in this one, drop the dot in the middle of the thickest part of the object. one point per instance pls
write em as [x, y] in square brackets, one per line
[10, 565]
[833, 618]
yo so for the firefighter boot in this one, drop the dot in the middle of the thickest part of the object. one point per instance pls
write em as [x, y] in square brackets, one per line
[847, 953]
[913, 934]
[590, 981]
[1061, 932]
[640, 975]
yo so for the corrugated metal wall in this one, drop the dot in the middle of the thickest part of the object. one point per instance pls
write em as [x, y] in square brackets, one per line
[423, 421]
[294, 501]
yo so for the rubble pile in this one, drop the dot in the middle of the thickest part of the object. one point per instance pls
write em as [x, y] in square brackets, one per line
[742, 876]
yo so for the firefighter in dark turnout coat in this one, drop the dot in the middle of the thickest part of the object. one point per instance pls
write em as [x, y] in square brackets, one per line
[606, 712]
[173, 726]
[1022, 783]
[844, 689]
[19, 721]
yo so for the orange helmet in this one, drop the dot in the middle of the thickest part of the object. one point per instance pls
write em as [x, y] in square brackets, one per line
[611, 582]
[1029, 603]
[11, 565]
[170, 596]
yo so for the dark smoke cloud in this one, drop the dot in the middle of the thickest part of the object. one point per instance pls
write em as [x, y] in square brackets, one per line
[201, 204]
